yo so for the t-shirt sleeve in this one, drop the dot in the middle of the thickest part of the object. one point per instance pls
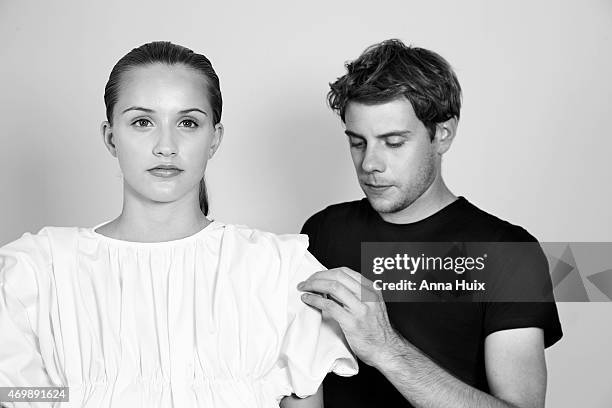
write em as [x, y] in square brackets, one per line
[524, 275]
[21, 364]
[311, 229]
[312, 346]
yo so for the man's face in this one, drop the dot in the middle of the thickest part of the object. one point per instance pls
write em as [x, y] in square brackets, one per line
[394, 157]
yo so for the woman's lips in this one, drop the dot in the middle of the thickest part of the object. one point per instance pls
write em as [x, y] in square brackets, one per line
[165, 171]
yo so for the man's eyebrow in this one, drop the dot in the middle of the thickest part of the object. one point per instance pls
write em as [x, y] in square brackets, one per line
[353, 134]
[405, 132]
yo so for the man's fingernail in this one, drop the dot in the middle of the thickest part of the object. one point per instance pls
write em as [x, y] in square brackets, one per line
[300, 285]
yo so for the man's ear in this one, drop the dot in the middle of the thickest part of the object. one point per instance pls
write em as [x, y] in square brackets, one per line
[445, 134]
[216, 142]
[107, 136]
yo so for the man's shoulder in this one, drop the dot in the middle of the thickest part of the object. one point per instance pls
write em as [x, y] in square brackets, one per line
[493, 228]
[461, 220]
[335, 232]
[349, 211]
[341, 209]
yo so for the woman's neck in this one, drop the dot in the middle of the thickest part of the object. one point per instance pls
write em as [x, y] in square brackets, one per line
[148, 221]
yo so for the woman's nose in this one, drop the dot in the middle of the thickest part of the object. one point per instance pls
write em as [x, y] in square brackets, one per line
[166, 143]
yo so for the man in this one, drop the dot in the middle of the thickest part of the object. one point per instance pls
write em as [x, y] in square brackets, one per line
[400, 106]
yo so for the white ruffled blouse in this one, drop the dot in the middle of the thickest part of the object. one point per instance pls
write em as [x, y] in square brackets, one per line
[211, 320]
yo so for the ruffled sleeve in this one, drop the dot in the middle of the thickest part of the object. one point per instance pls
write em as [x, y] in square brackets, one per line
[312, 346]
[21, 364]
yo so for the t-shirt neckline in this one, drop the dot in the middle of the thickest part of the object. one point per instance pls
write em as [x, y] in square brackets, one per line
[442, 213]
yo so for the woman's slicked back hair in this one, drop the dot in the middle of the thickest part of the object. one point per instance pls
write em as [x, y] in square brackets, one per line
[164, 52]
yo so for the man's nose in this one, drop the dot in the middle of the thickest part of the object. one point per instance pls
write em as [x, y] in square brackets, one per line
[166, 143]
[372, 160]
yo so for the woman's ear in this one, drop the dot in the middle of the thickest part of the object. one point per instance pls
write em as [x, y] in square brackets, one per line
[107, 136]
[216, 142]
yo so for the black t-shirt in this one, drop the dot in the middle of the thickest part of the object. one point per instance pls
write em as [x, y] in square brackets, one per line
[451, 334]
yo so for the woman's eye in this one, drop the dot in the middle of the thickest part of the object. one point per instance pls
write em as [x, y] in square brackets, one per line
[142, 123]
[395, 145]
[188, 123]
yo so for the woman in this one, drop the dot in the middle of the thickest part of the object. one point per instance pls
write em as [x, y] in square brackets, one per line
[161, 306]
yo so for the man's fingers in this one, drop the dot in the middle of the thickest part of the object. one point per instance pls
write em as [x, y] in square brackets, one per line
[341, 275]
[334, 289]
[353, 274]
[352, 279]
[360, 286]
[329, 307]
[359, 278]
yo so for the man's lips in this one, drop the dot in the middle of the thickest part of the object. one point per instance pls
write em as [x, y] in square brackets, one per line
[375, 188]
[376, 185]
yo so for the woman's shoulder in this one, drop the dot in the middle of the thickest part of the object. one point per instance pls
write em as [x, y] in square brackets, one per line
[265, 239]
[28, 244]
[23, 262]
[35, 249]
[40, 241]
[284, 253]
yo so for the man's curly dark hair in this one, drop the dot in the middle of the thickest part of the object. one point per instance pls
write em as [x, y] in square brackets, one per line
[389, 70]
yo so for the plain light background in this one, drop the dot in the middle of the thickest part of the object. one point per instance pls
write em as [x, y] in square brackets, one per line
[533, 146]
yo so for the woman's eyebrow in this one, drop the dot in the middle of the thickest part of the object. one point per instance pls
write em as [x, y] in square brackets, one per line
[147, 110]
[138, 108]
[192, 110]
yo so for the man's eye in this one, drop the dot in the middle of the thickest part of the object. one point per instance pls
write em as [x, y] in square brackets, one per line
[394, 142]
[357, 144]
[188, 123]
[142, 123]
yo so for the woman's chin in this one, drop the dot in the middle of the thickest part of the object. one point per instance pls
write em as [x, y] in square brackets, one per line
[161, 197]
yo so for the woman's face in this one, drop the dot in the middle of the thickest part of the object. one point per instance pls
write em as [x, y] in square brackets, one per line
[162, 132]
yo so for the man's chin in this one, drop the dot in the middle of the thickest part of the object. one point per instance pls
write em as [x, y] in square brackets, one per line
[383, 205]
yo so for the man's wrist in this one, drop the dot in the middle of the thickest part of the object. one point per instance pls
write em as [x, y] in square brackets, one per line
[395, 350]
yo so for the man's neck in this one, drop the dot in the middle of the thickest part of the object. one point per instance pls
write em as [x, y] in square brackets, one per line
[435, 198]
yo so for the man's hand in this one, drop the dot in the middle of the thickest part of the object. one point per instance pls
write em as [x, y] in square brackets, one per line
[516, 368]
[350, 299]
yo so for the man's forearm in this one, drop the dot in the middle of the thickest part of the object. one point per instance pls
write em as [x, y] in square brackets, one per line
[425, 384]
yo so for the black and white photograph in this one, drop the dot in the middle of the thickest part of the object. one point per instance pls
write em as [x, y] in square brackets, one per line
[339, 204]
